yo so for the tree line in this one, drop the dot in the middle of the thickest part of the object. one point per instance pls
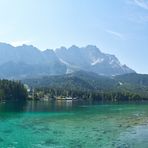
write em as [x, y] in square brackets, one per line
[102, 96]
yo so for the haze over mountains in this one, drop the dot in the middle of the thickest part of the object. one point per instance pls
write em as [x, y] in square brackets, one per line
[28, 61]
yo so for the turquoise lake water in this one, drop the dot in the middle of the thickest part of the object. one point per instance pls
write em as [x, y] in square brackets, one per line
[67, 124]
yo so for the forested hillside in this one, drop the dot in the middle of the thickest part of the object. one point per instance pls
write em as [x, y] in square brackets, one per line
[12, 91]
[78, 80]
[93, 86]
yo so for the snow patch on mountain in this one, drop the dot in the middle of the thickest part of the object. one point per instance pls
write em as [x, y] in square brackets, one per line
[99, 60]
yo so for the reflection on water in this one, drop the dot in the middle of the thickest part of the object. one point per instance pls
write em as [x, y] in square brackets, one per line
[54, 106]
[42, 106]
[39, 106]
[12, 106]
[72, 124]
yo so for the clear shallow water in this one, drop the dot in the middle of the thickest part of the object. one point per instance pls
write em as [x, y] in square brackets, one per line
[64, 124]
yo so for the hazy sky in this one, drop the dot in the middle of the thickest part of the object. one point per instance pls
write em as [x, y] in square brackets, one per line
[118, 27]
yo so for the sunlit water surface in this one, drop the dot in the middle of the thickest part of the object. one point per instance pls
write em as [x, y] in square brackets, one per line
[67, 124]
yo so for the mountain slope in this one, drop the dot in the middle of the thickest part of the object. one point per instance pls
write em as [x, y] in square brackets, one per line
[134, 78]
[28, 61]
[135, 83]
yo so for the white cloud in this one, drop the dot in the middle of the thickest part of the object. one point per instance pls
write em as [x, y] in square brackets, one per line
[115, 34]
[20, 42]
[141, 3]
[140, 17]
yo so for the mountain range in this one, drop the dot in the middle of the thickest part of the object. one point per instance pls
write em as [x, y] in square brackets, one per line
[28, 61]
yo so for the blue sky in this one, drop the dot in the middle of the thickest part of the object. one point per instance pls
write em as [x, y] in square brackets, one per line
[118, 27]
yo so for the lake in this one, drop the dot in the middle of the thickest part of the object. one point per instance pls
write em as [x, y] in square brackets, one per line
[67, 124]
